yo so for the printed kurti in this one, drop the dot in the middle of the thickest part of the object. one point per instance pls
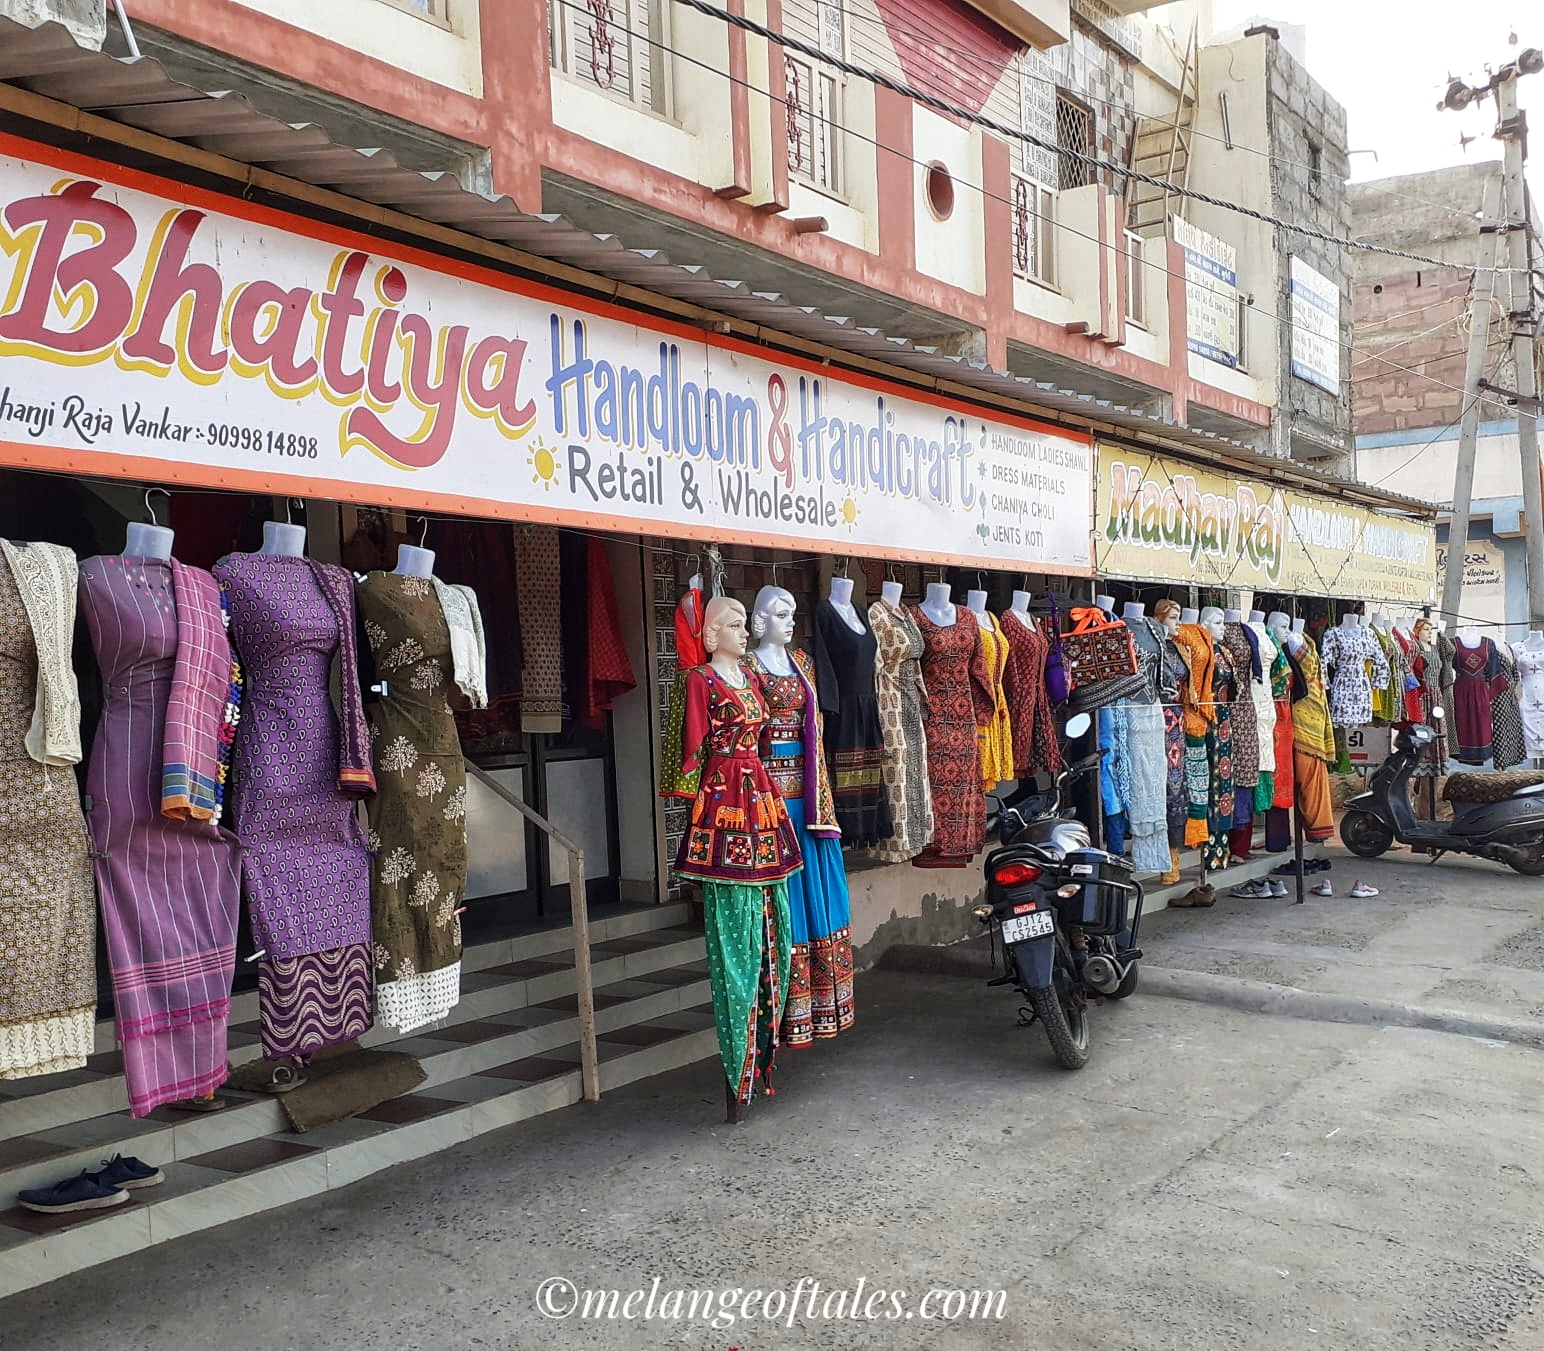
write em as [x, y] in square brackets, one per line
[417, 817]
[1506, 747]
[740, 831]
[1199, 711]
[1246, 723]
[959, 700]
[170, 887]
[305, 862]
[899, 693]
[1355, 664]
[47, 901]
[995, 736]
[1530, 668]
[819, 1000]
[855, 743]
[1387, 693]
[1264, 701]
[1477, 681]
[1036, 747]
[1220, 742]
[1312, 729]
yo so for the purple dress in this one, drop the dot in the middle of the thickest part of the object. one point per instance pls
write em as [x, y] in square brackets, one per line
[170, 889]
[305, 863]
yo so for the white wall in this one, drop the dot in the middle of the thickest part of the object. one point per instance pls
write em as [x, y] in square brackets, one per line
[953, 250]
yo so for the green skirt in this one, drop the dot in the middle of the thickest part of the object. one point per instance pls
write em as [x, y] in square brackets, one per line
[748, 936]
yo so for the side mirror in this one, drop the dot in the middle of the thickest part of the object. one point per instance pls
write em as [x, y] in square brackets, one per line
[1077, 725]
[1437, 714]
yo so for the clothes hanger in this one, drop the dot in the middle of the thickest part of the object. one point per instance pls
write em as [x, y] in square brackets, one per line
[423, 534]
[149, 509]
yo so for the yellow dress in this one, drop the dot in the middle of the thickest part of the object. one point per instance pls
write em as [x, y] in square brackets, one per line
[995, 736]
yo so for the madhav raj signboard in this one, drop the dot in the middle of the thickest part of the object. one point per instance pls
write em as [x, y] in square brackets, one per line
[155, 331]
[1164, 520]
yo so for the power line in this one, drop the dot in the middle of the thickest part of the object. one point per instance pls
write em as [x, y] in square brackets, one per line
[814, 53]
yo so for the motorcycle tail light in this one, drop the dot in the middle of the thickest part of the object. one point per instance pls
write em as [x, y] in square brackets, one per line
[1015, 874]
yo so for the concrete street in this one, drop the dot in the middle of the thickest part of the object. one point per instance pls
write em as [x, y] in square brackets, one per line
[1215, 1178]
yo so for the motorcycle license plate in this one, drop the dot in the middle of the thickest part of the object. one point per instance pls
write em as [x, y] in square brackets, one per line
[1016, 928]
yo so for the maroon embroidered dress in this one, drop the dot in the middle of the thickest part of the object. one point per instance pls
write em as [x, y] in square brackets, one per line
[959, 701]
[1035, 746]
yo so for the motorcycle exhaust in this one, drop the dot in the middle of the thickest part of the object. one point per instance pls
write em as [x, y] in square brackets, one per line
[1103, 973]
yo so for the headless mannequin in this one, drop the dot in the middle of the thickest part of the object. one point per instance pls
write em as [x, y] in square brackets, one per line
[148, 541]
[1233, 616]
[1381, 623]
[1105, 603]
[1133, 609]
[1189, 616]
[1366, 621]
[890, 593]
[937, 606]
[1534, 642]
[1257, 616]
[1469, 636]
[841, 601]
[772, 622]
[975, 602]
[1020, 610]
[1351, 622]
[283, 540]
[414, 562]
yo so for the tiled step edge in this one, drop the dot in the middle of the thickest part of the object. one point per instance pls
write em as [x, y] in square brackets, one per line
[49, 1257]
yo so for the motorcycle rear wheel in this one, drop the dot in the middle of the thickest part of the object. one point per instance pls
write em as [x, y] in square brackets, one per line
[1068, 1035]
[1532, 865]
[1365, 835]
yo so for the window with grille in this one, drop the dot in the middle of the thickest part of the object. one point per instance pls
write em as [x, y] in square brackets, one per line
[814, 95]
[1074, 131]
[1034, 231]
[616, 45]
[436, 11]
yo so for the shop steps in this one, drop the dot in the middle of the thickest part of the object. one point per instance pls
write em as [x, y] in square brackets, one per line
[510, 1052]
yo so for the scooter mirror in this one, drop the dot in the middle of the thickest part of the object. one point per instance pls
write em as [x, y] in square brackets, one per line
[1077, 725]
[1437, 714]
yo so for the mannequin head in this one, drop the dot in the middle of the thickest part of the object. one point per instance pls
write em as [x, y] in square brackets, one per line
[1425, 633]
[772, 616]
[1167, 613]
[724, 629]
[1279, 623]
[1212, 621]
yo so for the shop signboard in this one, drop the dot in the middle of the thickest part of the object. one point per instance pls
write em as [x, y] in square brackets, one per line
[1367, 747]
[1483, 599]
[1315, 327]
[1169, 521]
[1211, 294]
[154, 331]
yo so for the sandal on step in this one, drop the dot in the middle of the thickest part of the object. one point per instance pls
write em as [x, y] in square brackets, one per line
[284, 1079]
[209, 1104]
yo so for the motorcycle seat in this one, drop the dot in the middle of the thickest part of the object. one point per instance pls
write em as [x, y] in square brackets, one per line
[1493, 787]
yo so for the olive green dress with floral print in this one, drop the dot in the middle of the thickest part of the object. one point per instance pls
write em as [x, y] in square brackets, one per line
[418, 815]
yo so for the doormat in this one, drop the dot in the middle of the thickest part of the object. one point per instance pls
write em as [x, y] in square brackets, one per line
[338, 1086]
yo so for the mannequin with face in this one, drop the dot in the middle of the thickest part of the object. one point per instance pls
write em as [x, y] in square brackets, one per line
[1212, 621]
[772, 626]
[744, 881]
[1170, 615]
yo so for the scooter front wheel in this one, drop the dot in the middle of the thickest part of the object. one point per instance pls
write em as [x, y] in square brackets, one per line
[1068, 1035]
[1365, 835]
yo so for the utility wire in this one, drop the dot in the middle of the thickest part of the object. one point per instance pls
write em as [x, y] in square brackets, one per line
[952, 110]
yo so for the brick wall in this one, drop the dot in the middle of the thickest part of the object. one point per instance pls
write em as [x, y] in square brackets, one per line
[1417, 321]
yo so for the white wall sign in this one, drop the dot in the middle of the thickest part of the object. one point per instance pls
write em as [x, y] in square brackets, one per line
[156, 332]
[1211, 294]
[1483, 600]
[1315, 327]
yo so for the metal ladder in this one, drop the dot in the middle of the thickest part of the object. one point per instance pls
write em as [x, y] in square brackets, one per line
[1161, 147]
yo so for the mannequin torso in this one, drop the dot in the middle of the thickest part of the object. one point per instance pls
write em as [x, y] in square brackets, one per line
[890, 593]
[937, 606]
[414, 562]
[841, 601]
[148, 541]
[975, 602]
[283, 540]
[1020, 610]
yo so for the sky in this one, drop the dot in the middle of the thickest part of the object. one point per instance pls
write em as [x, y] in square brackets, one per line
[1388, 62]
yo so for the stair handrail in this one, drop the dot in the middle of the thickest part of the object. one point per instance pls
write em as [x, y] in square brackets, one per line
[584, 981]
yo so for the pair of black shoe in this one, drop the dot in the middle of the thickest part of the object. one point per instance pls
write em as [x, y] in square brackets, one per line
[1310, 865]
[107, 1186]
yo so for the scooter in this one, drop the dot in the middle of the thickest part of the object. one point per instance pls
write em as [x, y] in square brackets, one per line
[1495, 816]
[1067, 913]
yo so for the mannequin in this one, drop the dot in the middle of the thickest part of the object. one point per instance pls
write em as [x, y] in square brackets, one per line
[1105, 603]
[1133, 609]
[1233, 616]
[1257, 616]
[1243, 653]
[1212, 621]
[1173, 676]
[1365, 620]
[975, 602]
[744, 882]
[1189, 615]
[1019, 609]
[890, 593]
[1283, 631]
[1299, 624]
[1380, 621]
[840, 597]
[1170, 616]
[148, 541]
[413, 561]
[1534, 642]
[1198, 646]
[1352, 621]
[283, 539]
[900, 697]
[937, 605]
[1469, 636]
[1529, 656]
[819, 1001]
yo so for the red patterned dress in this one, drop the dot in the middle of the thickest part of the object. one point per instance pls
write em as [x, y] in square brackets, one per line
[959, 701]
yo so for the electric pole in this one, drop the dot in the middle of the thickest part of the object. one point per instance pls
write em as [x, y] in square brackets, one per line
[1512, 132]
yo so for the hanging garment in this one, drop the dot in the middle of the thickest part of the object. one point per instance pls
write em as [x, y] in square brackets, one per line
[1246, 723]
[1114, 767]
[1036, 747]
[674, 781]
[596, 668]
[746, 936]
[1477, 680]
[1265, 654]
[1506, 718]
[1220, 742]
[854, 741]
[959, 700]
[538, 582]
[1177, 785]
[900, 694]
[740, 831]
[995, 737]
[47, 900]
[1314, 748]
[1413, 707]
[418, 848]
[1146, 753]
[1199, 710]
[1433, 757]
[169, 884]
[1387, 695]
[1530, 668]
[1354, 666]
[819, 1000]
[1447, 680]
[299, 769]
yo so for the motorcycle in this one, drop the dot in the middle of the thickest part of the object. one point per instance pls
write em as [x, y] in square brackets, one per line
[1499, 817]
[1067, 913]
